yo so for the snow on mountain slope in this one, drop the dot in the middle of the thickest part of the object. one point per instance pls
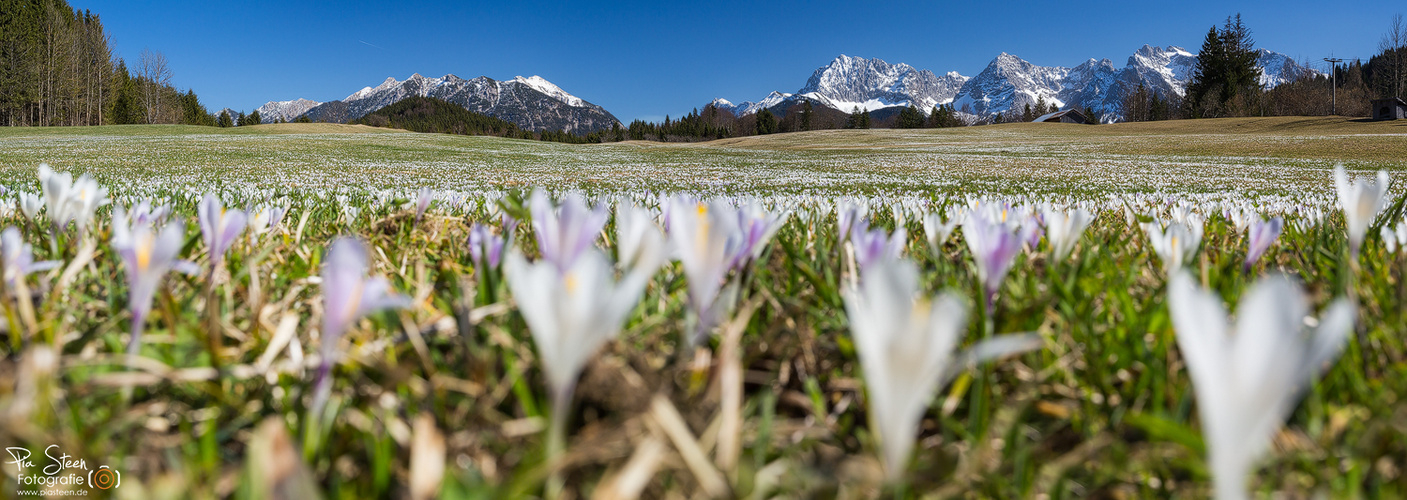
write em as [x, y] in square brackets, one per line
[1009, 83]
[546, 87]
[285, 110]
[849, 82]
[532, 103]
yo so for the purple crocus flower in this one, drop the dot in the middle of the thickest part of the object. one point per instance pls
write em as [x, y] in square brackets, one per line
[17, 257]
[483, 244]
[871, 246]
[757, 226]
[847, 213]
[219, 227]
[1261, 234]
[563, 235]
[347, 294]
[147, 255]
[994, 245]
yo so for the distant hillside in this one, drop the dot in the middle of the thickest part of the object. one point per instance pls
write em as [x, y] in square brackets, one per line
[428, 114]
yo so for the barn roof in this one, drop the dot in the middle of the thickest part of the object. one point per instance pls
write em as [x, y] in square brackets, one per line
[1056, 115]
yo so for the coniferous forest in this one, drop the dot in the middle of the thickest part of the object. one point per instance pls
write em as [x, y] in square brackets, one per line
[57, 68]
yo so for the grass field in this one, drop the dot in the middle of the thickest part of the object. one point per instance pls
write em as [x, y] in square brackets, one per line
[448, 391]
[1272, 155]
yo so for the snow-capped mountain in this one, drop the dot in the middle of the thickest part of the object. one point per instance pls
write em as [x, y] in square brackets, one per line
[533, 103]
[1009, 83]
[855, 82]
[287, 110]
[848, 82]
[1277, 68]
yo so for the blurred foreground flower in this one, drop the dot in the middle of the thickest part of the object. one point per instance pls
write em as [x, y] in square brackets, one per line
[937, 231]
[1176, 243]
[30, 204]
[147, 255]
[219, 227]
[636, 234]
[347, 294]
[705, 237]
[422, 202]
[564, 234]
[485, 247]
[1395, 237]
[17, 257]
[68, 201]
[906, 346]
[572, 313]
[265, 218]
[1260, 234]
[994, 244]
[1063, 229]
[1247, 383]
[757, 226]
[1361, 203]
[872, 246]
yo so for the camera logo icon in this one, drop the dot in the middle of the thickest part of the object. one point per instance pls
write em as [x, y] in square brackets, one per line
[104, 478]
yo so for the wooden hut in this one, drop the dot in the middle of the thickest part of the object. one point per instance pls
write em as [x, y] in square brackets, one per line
[1389, 109]
[1067, 116]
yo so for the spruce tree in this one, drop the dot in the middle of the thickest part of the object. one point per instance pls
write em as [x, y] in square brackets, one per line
[910, 117]
[766, 122]
[806, 114]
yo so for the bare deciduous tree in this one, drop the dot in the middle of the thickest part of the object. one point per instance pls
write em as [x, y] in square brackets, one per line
[1393, 44]
[155, 74]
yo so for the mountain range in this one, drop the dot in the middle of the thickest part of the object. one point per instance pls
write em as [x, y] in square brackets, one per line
[533, 103]
[1007, 83]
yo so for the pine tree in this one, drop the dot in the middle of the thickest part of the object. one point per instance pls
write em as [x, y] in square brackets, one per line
[1026, 114]
[1225, 72]
[225, 120]
[806, 114]
[766, 122]
[910, 117]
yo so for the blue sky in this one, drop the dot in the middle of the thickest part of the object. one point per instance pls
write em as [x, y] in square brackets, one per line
[648, 59]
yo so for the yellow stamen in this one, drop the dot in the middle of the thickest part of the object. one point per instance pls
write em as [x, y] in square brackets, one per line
[144, 252]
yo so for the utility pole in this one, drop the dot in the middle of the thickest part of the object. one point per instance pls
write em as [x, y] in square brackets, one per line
[1333, 84]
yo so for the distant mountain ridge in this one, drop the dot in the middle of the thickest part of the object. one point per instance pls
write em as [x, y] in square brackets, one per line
[532, 103]
[1007, 83]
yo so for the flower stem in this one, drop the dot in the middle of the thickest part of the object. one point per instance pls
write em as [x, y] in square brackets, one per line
[557, 440]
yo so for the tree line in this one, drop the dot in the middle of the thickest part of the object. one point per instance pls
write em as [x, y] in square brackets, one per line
[57, 68]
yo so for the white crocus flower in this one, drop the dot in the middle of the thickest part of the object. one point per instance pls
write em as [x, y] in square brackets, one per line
[84, 200]
[937, 231]
[1395, 238]
[68, 201]
[1247, 383]
[906, 346]
[1176, 243]
[571, 313]
[636, 233]
[30, 204]
[1063, 229]
[705, 238]
[1361, 203]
